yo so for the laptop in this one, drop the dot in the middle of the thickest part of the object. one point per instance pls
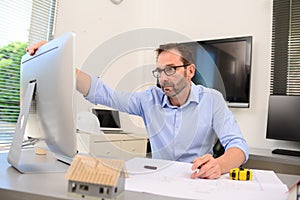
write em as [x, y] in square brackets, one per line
[109, 120]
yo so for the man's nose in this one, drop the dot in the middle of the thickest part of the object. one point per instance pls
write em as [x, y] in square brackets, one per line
[163, 76]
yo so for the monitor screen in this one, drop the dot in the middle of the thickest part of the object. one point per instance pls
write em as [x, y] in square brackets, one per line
[225, 65]
[52, 117]
[108, 119]
[283, 118]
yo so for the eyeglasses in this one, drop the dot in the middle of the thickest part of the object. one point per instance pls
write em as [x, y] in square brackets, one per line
[169, 70]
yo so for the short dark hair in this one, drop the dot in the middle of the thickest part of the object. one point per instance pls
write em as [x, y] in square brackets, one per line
[186, 53]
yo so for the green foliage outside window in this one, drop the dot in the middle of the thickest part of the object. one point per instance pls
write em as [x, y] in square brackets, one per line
[10, 58]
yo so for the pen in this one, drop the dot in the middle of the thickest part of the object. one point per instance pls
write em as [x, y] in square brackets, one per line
[198, 169]
[150, 167]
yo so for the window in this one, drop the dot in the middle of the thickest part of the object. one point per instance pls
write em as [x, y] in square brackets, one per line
[22, 23]
[285, 60]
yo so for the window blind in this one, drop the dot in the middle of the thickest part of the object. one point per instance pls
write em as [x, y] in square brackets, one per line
[22, 23]
[285, 59]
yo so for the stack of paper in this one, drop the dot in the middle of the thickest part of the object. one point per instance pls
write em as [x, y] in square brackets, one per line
[173, 179]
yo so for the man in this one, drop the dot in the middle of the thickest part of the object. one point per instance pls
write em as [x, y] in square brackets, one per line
[181, 119]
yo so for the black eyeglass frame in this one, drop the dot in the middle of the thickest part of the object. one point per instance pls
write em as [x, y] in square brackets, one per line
[159, 71]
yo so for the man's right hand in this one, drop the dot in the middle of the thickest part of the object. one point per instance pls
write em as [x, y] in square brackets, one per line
[83, 80]
[32, 49]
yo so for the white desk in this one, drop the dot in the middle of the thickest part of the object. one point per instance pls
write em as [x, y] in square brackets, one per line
[14, 185]
[51, 186]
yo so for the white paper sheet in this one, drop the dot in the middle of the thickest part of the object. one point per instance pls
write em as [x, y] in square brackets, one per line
[173, 179]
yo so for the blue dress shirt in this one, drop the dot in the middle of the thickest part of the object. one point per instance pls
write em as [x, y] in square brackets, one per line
[176, 133]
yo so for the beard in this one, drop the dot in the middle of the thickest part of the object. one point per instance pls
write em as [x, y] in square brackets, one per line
[171, 89]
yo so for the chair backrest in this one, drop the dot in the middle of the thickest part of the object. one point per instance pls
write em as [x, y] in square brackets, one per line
[218, 149]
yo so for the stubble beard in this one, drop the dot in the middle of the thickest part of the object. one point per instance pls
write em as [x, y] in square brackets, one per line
[169, 87]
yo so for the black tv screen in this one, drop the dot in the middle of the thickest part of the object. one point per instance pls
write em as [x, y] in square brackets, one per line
[225, 65]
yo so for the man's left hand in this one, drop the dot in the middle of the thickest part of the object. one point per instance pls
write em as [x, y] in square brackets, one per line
[206, 167]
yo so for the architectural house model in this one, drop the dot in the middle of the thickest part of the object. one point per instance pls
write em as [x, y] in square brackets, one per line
[96, 177]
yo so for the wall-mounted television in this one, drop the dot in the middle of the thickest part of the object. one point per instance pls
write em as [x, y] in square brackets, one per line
[283, 121]
[225, 65]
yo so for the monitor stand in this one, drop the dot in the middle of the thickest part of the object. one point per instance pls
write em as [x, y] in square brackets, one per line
[286, 152]
[26, 160]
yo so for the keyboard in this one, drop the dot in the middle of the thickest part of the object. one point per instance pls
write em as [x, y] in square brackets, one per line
[286, 152]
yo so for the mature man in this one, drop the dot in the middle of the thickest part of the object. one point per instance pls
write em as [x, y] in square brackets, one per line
[182, 119]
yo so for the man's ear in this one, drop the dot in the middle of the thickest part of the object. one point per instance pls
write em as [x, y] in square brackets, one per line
[191, 70]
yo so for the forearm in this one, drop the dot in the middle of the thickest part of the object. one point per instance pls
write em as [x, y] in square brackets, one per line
[83, 82]
[233, 157]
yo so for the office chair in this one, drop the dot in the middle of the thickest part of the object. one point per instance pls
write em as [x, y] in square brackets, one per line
[218, 149]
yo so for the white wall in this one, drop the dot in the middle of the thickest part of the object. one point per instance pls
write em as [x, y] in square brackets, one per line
[97, 21]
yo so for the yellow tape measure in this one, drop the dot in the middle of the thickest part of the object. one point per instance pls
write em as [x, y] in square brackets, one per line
[240, 174]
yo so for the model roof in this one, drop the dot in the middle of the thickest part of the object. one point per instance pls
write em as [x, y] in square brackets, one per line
[95, 170]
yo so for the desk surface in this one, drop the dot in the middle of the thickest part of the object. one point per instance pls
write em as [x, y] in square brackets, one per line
[14, 185]
[267, 155]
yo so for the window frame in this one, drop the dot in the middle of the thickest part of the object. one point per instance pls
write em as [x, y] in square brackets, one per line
[42, 27]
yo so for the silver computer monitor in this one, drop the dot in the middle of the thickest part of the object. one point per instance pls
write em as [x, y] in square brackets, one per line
[52, 116]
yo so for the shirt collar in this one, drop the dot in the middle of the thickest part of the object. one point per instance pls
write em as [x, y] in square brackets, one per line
[193, 97]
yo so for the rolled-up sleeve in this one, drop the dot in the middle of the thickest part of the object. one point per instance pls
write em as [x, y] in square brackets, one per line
[226, 126]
